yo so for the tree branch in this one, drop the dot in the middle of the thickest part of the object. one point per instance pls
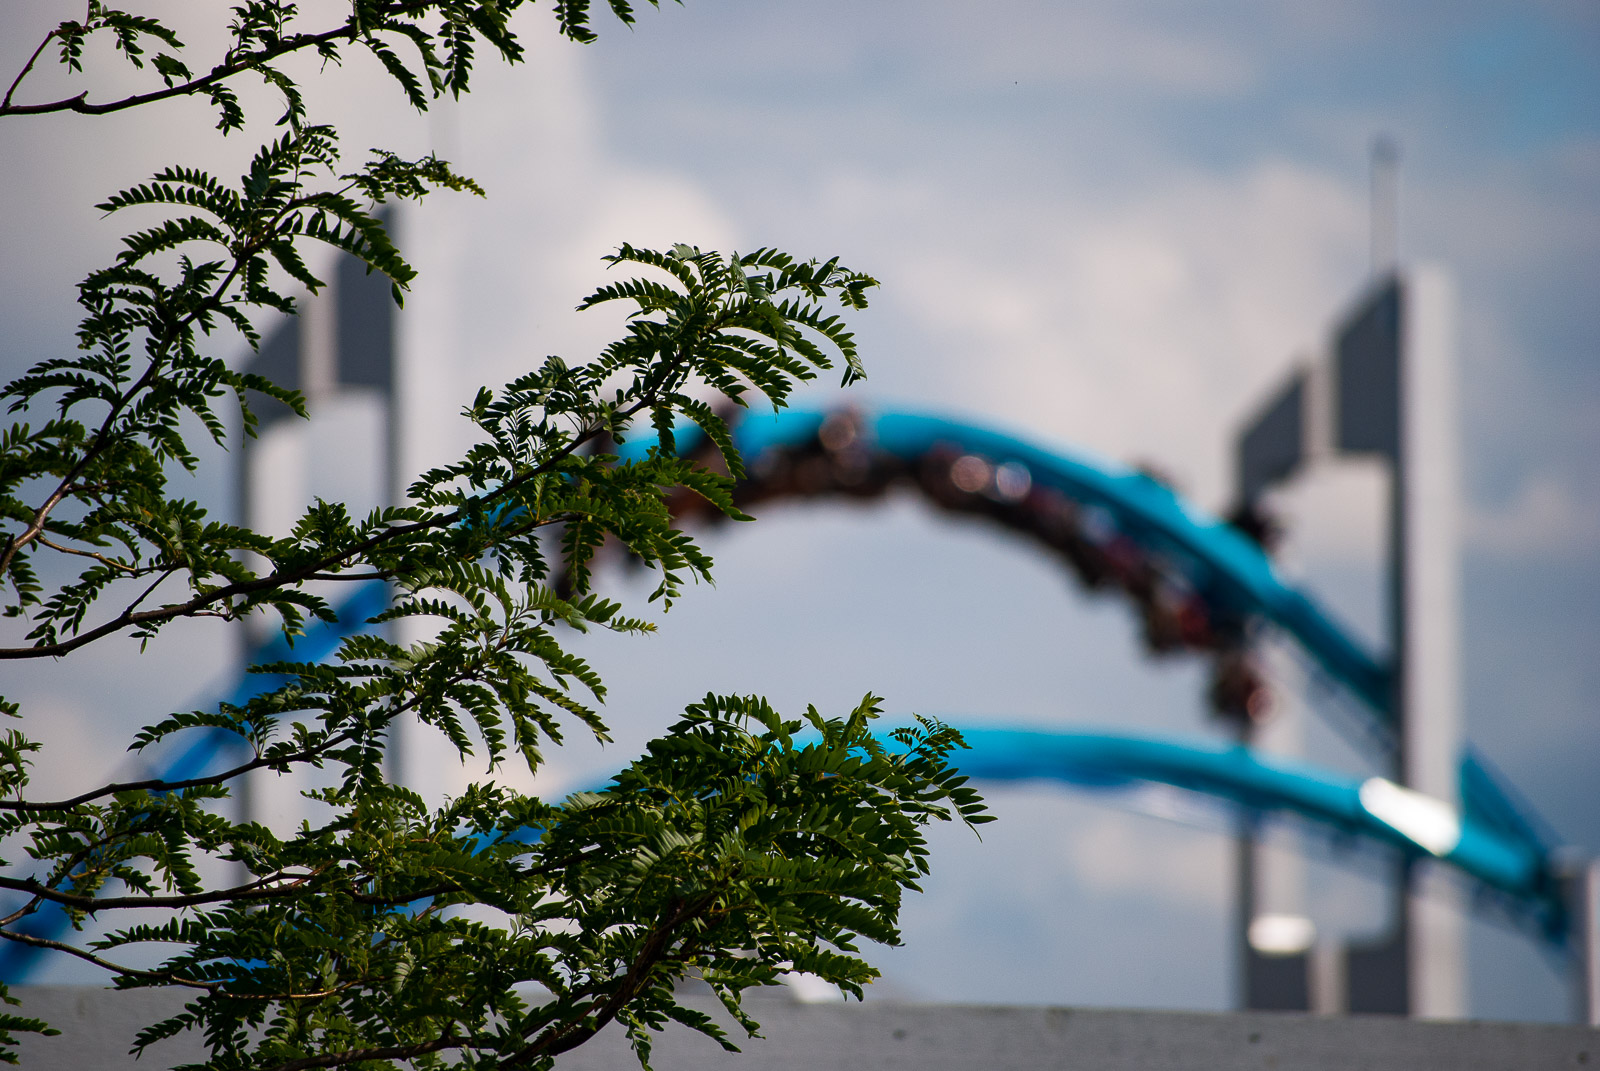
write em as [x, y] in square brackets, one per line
[173, 978]
[101, 438]
[108, 562]
[556, 1039]
[306, 754]
[255, 890]
[156, 784]
[303, 573]
[390, 1052]
[166, 977]
[5, 104]
[240, 63]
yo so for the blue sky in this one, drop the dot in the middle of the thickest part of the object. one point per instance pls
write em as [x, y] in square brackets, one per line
[1106, 224]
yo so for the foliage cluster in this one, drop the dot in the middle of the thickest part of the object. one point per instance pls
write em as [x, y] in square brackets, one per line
[498, 930]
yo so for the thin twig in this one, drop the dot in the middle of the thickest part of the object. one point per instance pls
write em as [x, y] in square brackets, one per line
[110, 563]
[26, 67]
[261, 761]
[115, 968]
[286, 578]
[255, 890]
[243, 62]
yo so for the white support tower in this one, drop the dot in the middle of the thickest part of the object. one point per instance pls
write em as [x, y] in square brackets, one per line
[1386, 387]
[1427, 566]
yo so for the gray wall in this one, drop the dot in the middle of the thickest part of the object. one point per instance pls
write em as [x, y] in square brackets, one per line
[97, 1024]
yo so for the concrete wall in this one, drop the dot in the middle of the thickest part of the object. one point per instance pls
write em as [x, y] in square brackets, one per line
[97, 1025]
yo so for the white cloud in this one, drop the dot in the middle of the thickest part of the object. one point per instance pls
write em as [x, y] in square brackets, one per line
[1141, 326]
[1545, 517]
[1109, 47]
[502, 275]
[1117, 854]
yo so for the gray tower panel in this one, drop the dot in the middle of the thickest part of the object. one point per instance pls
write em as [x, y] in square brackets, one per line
[1379, 976]
[278, 359]
[1367, 376]
[366, 327]
[1273, 446]
[1277, 983]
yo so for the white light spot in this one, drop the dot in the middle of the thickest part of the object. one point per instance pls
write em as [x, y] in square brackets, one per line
[1012, 481]
[1429, 822]
[837, 432]
[1282, 935]
[970, 473]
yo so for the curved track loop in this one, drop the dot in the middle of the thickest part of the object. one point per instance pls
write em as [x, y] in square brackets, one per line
[1341, 804]
[1198, 583]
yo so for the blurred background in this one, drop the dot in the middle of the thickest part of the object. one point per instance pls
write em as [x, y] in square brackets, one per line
[1108, 225]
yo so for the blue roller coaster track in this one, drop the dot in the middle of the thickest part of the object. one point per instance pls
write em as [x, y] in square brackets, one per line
[1199, 584]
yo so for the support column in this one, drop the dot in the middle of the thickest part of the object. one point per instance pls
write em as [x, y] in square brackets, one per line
[1387, 388]
[1277, 937]
[1427, 561]
[1586, 941]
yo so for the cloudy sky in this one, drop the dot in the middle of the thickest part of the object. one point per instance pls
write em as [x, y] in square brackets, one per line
[1103, 224]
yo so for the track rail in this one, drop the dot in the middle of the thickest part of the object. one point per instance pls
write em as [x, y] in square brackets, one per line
[1198, 584]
